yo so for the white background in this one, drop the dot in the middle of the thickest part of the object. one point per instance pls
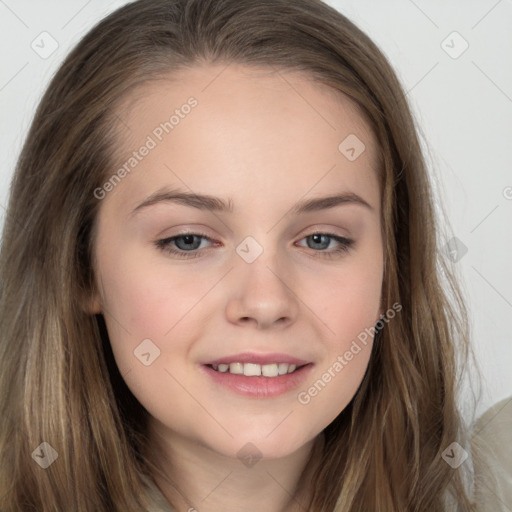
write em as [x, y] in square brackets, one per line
[463, 106]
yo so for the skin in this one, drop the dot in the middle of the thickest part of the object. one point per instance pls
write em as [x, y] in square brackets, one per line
[265, 140]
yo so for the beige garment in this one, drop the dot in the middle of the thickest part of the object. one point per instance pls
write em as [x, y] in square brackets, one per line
[158, 501]
[492, 434]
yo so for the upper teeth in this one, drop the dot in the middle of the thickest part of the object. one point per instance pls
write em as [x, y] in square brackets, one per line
[251, 369]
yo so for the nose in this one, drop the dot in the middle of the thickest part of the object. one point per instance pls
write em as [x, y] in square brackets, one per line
[262, 296]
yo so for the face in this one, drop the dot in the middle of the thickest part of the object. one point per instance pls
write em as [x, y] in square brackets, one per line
[258, 274]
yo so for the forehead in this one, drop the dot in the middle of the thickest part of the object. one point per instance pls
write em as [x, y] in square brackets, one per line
[256, 129]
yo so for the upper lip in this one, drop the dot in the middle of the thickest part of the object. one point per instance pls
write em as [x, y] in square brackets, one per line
[261, 359]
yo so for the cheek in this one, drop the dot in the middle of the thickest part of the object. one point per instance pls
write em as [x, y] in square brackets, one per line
[138, 304]
[142, 302]
[144, 297]
[349, 299]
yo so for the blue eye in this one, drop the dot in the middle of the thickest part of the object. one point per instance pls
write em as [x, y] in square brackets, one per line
[190, 242]
[324, 239]
[187, 245]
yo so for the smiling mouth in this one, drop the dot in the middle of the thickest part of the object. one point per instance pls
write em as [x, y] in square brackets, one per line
[256, 370]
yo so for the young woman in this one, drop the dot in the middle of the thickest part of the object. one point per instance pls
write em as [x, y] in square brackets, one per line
[221, 276]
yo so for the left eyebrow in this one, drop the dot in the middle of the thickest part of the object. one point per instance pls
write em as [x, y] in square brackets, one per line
[207, 202]
[324, 203]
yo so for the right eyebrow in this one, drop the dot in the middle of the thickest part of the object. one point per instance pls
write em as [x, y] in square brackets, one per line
[200, 201]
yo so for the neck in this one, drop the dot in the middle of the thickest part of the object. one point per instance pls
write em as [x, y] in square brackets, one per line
[195, 477]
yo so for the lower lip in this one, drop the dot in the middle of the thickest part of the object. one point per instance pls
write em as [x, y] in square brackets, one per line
[260, 387]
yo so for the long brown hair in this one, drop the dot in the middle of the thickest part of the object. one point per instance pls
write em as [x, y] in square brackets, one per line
[59, 384]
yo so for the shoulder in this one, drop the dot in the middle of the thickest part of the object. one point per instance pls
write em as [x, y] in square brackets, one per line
[492, 458]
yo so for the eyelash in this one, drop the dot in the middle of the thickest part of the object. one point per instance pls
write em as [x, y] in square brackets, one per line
[164, 245]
